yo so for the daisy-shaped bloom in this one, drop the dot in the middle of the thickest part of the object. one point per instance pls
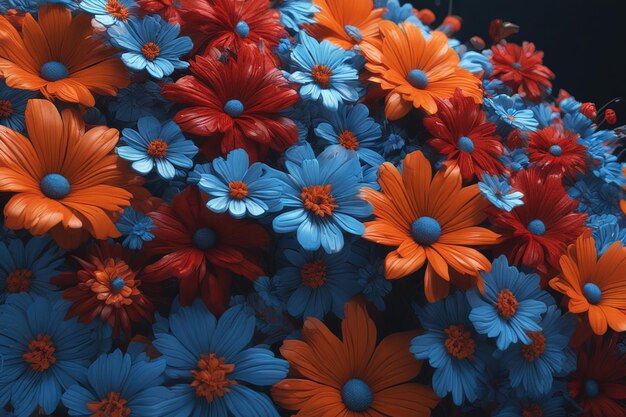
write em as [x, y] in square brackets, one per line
[414, 71]
[109, 12]
[135, 227]
[237, 103]
[594, 285]
[511, 111]
[429, 219]
[42, 353]
[555, 150]
[460, 131]
[57, 193]
[152, 44]
[59, 56]
[353, 376]
[157, 145]
[296, 13]
[347, 23]
[519, 404]
[215, 371]
[239, 188]
[498, 191]
[324, 72]
[537, 233]
[118, 386]
[522, 69]
[12, 106]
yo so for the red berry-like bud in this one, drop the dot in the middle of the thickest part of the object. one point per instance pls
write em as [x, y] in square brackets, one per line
[610, 116]
[426, 16]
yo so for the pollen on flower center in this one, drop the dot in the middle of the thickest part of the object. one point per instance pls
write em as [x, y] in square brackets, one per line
[204, 238]
[19, 281]
[55, 186]
[537, 227]
[417, 78]
[318, 200]
[111, 406]
[6, 108]
[506, 304]
[115, 9]
[592, 293]
[238, 190]
[53, 71]
[210, 379]
[321, 74]
[536, 347]
[114, 282]
[426, 230]
[348, 140]
[532, 410]
[40, 354]
[466, 144]
[459, 342]
[151, 51]
[157, 148]
[356, 394]
[313, 274]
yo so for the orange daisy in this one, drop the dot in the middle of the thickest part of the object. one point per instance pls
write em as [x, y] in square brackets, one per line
[593, 285]
[415, 71]
[353, 377]
[59, 56]
[66, 180]
[430, 219]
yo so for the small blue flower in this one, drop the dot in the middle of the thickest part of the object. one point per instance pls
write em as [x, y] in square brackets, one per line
[544, 115]
[12, 106]
[606, 230]
[498, 191]
[135, 227]
[295, 13]
[375, 285]
[552, 404]
[152, 44]
[139, 100]
[110, 12]
[510, 110]
[514, 160]
[400, 13]
[476, 63]
[157, 145]
[595, 196]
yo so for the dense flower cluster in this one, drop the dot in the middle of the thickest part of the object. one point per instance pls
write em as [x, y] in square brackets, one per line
[320, 208]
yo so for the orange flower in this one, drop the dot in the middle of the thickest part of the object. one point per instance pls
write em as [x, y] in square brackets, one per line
[347, 23]
[593, 285]
[65, 180]
[352, 377]
[416, 71]
[60, 56]
[428, 218]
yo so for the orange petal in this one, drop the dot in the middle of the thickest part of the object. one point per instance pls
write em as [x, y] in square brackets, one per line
[359, 337]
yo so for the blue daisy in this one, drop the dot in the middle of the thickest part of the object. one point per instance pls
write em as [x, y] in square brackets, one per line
[139, 100]
[295, 13]
[595, 196]
[240, 189]
[552, 404]
[110, 12]
[476, 63]
[514, 160]
[151, 44]
[511, 111]
[214, 370]
[12, 106]
[119, 384]
[135, 227]
[606, 230]
[156, 144]
[498, 191]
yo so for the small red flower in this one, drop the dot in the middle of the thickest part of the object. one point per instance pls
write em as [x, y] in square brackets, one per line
[589, 110]
[461, 132]
[555, 151]
[610, 116]
[522, 69]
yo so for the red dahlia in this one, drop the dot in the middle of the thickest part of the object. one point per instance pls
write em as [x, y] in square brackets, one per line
[554, 151]
[522, 69]
[236, 102]
[461, 132]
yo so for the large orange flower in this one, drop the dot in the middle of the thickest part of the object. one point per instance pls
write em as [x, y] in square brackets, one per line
[428, 218]
[60, 56]
[593, 285]
[353, 377]
[415, 71]
[65, 180]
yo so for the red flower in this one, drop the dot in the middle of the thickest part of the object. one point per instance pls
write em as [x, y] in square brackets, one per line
[537, 233]
[237, 102]
[589, 110]
[610, 116]
[522, 69]
[462, 133]
[167, 9]
[599, 382]
[554, 151]
[202, 249]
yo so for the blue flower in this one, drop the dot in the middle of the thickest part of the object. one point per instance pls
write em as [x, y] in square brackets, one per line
[107, 15]
[118, 383]
[139, 100]
[214, 371]
[595, 196]
[452, 347]
[321, 196]
[514, 160]
[498, 191]
[375, 285]
[42, 353]
[510, 110]
[324, 72]
[570, 105]
[351, 128]
[135, 227]
[544, 115]
[29, 267]
[400, 13]
[12, 106]
[552, 404]
[240, 189]
[32, 6]
[152, 44]
[476, 63]
[157, 145]
[295, 13]
[606, 230]
[511, 305]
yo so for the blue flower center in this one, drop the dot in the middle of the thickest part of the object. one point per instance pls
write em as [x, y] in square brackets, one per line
[204, 238]
[517, 65]
[465, 144]
[53, 71]
[426, 230]
[417, 78]
[356, 395]
[117, 284]
[353, 32]
[55, 186]
[233, 108]
[555, 150]
[242, 29]
[537, 227]
[592, 389]
[592, 293]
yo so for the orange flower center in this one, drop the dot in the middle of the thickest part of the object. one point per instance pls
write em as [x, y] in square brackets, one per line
[114, 283]
[313, 274]
[111, 406]
[459, 342]
[40, 355]
[157, 148]
[321, 74]
[6, 108]
[506, 304]
[210, 377]
[348, 141]
[19, 281]
[117, 10]
[318, 200]
[533, 410]
[150, 50]
[536, 347]
[238, 190]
